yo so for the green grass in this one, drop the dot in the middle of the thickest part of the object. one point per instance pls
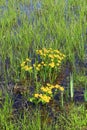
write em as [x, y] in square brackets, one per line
[72, 118]
[49, 29]
[57, 25]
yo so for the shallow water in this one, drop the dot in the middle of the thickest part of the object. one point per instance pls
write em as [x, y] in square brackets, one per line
[24, 9]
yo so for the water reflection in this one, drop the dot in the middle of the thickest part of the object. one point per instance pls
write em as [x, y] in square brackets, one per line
[26, 9]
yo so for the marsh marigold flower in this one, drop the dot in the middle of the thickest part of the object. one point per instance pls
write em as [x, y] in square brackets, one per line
[46, 89]
[28, 60]
[57, 86]
[45, 50]
[52, 64]
[26, 68]
[51, 56]
[61, 88]
[37, 68]
[45, 98]
[39, 65]
[23, 64]
[36, 95]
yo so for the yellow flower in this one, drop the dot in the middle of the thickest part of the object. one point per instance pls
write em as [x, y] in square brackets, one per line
[36, 95]
[37, 68]
[51, 56]
[44, 55]
[45, 98]
[45, 50]
[46, 89]
[56, 56]
[48, 84]
[34, 65]
[63, 55]
[52, 86]
[40, 52]
[52, 64]
[57, 51]
[30, 68]
[39, 65]
[59, 61]
[49, 92]
[26, 67]
[23, 64]
[27, 59]
[42, 88]
[57, 86]
[40, 95]
[58, 64]
[61, 88]
[42, 62]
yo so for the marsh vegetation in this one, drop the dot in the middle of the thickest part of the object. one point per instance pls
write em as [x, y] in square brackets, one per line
[43, 65]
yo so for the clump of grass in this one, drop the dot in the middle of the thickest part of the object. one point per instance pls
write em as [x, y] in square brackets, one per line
[75, 118]
[67, 33]
[46, 66]
[6, 114]
[2, 2]
[29, 119]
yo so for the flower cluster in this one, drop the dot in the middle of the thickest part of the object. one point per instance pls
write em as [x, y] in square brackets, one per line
[43, 97]
[51, 58]
[49, 65]
[26, 65]
[46, 69]
[46, 92]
